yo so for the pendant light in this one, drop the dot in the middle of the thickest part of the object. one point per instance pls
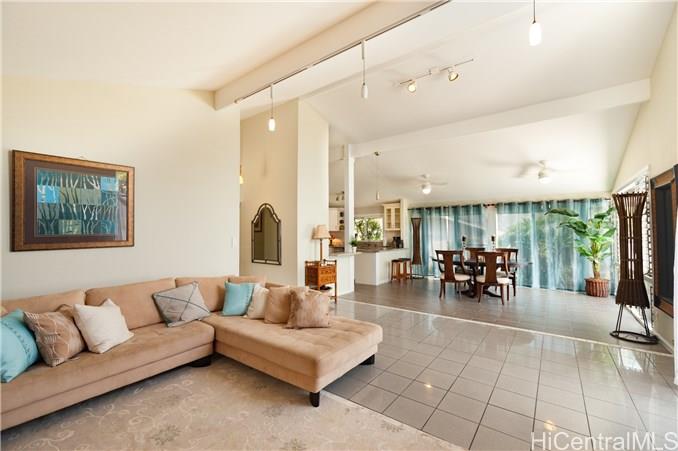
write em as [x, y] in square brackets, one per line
[363, 90]
[377, 195]
[535, 28]
[271, 119]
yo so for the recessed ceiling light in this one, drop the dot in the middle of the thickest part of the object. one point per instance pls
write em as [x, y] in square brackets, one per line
[412, 86]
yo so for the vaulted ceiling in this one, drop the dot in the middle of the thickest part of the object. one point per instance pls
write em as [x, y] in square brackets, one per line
[176, 44]
[571, 101]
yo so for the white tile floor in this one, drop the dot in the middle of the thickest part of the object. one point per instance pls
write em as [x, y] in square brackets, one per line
[483, 386]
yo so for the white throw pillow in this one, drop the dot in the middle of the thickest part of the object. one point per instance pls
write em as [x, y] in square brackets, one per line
[102, 327]
[257, 307]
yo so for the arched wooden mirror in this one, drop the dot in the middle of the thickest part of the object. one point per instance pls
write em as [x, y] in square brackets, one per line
[266, 236]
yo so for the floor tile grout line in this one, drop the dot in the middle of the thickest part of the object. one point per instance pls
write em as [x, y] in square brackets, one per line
[536, 396]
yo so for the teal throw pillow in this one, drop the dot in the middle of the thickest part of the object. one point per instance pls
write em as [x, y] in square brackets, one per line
[18, 350]
[237, 298]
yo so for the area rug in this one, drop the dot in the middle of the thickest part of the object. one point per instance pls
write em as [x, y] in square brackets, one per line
[225, 406]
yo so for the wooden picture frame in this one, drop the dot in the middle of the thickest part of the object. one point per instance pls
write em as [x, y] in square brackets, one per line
[664, 203]
[68, 203]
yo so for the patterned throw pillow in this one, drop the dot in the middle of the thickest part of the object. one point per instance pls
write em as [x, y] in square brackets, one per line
[309, 309]
[181, 305]
[57, 336]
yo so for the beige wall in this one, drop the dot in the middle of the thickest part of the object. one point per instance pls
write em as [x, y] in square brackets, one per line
[313, 184]
[653, 142]
[186, 157]
[289, 170]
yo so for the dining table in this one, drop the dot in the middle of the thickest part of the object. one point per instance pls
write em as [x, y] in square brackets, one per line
[476, 267]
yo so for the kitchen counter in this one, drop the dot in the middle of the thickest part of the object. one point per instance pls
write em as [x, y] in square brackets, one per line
[345, 270]
[374, 268]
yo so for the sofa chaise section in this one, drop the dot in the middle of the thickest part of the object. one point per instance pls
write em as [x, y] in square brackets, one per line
[310, 359]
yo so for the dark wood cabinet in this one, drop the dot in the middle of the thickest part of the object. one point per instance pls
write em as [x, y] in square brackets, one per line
[664, 198]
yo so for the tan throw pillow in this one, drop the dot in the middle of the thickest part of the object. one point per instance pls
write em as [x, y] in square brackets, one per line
[257, 308]
[103, 327]
[55, 334]
[309, 309]
[277, 305]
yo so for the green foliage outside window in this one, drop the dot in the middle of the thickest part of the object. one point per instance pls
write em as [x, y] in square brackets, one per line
[368, 229]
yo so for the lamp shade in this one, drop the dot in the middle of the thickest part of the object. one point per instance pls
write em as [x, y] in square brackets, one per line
[321, 232]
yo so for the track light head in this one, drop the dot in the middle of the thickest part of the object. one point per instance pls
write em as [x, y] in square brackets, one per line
[452, 75]
[412, 86]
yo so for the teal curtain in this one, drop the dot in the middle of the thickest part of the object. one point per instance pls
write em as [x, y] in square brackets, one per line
[442, 228]
[545, 250]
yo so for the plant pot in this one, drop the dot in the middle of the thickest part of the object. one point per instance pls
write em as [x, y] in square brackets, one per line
[599, 288]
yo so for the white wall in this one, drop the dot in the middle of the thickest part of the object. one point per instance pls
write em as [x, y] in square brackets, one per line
[288, 169]
[186, 157]
[653, 142]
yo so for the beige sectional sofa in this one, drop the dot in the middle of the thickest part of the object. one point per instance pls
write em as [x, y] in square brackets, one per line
[308, 358]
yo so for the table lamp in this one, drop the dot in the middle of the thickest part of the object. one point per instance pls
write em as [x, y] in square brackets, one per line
[321, 232]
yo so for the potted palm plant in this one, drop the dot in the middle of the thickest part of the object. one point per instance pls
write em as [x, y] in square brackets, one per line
[594, 241]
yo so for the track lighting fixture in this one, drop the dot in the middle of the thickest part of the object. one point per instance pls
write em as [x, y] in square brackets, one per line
[452, 75]
[535, 28]
[271, 119]
[363, 90]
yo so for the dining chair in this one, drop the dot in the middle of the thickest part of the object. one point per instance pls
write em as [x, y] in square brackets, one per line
[493, 261]
[447, 270]
[473, 255]
[511, 254]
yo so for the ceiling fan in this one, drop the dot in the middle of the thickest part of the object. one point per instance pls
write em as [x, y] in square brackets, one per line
[426, 185]
[542, 170]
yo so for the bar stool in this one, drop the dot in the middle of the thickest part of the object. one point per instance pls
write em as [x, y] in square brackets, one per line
[401, 269]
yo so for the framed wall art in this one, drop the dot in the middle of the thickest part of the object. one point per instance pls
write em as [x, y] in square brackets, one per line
[68, 203]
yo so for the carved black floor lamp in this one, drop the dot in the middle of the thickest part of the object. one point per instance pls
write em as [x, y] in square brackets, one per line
[416, 249]
[631, 290]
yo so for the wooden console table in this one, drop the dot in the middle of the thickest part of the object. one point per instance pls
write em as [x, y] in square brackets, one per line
[319, 273]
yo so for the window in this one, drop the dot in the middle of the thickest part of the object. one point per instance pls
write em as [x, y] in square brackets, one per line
[369, 229]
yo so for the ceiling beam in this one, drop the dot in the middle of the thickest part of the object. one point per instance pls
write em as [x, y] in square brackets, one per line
[626, 94]
[366, 23]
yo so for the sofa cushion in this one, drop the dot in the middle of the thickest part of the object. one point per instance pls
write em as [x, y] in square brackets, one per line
[135, 300]
[47, 303]
[261, 280]
[211, 288]
[314, 352]
[149, 344]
